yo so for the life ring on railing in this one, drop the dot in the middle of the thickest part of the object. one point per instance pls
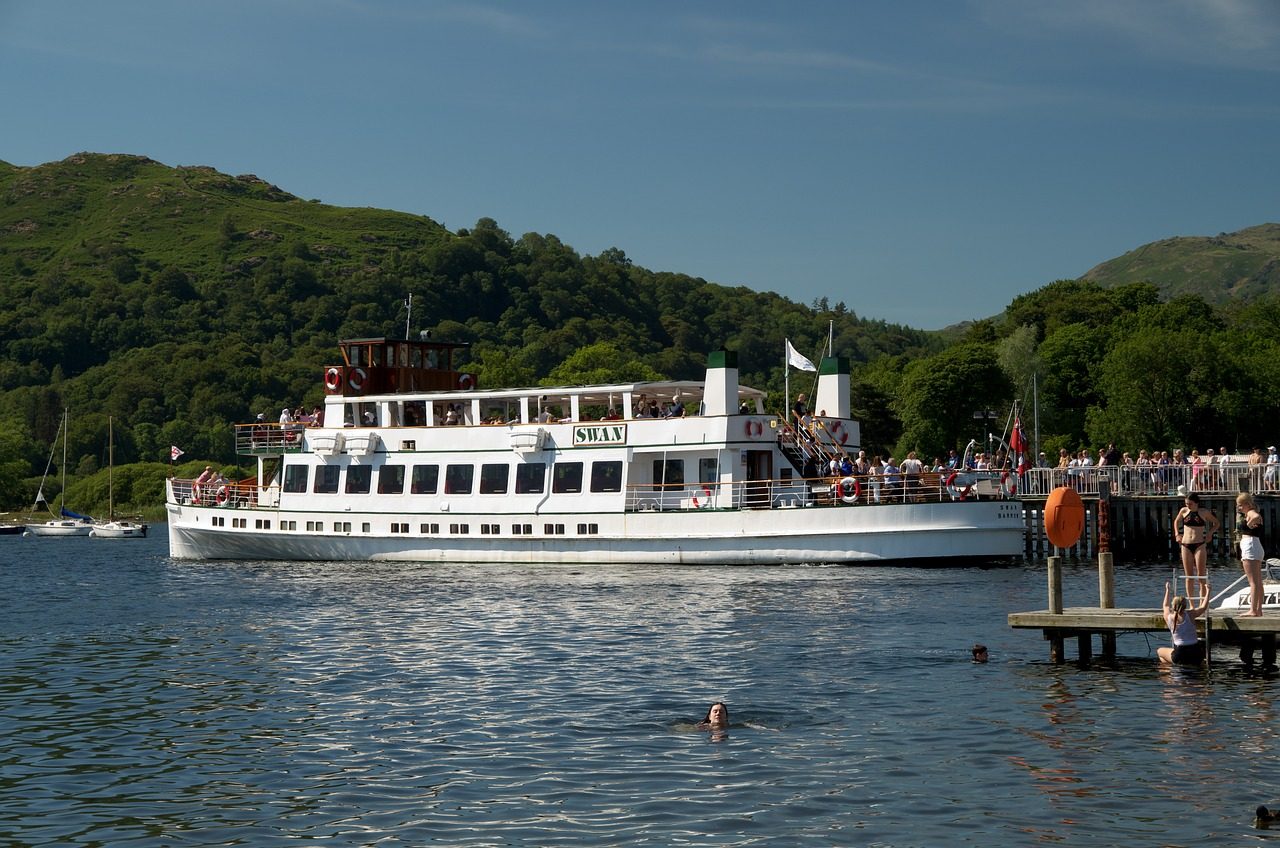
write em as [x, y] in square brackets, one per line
[850, 489]
[706, 490]
[1009, 483]
[956, 492]
[466, 382]
[223, 495]
[356, 379]
[333, 380]
[838, 432]
[754, 427]
[290, 436]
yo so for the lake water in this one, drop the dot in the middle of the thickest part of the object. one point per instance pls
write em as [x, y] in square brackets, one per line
[147, 702]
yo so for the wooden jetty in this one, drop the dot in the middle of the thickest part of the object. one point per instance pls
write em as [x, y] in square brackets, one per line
[1216, 628]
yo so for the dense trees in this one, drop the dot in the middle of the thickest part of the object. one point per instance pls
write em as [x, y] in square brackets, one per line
[179, 301]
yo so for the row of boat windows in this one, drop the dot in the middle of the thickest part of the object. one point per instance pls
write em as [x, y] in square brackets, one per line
[402, 527]
[530, 478]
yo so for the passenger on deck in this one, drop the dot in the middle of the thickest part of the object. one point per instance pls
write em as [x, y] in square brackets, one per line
[1187, 648]
[451, 417]
[612, 415]
[677, 409]
[1249, 529]
[892, 480]
[201, 485]
[286, 417]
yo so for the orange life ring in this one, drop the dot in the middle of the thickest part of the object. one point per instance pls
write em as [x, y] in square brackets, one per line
[290, 436]
[754, 427]
[356, 379]
[333, 380]
[706, 490]
[466, 382]
[850, 489]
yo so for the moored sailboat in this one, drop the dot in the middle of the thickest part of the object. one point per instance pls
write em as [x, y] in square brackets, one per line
[114, 528]
[64, 522]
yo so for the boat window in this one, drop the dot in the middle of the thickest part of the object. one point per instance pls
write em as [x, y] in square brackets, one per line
[295, 478]
[494, 479]
[708, 471]
[606, 476]
[458, 479]
[425, 479]
[327, 479]
[531, 478]
[668, 472]
[391, 480]
[566, 478]
[415, 357]
[415, 413]
[358, 477]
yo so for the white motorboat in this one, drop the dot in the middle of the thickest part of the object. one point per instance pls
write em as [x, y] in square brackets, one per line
[412, 462]
[1237, 599]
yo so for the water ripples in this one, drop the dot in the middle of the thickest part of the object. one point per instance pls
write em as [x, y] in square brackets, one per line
[149, 702]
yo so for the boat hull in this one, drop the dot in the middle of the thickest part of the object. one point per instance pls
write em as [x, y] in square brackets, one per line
[119, 530]
[990, 530]
[60, 528]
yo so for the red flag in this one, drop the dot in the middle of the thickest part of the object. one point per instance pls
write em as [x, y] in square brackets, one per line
[175, 452]
[1017, 441]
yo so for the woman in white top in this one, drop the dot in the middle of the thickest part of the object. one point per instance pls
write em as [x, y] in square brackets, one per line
[1187, 648]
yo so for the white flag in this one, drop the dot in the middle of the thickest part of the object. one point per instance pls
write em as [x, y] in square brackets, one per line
[795, 360]
[175, 452]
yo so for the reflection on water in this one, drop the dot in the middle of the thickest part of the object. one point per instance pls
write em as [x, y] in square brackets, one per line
[161, 703]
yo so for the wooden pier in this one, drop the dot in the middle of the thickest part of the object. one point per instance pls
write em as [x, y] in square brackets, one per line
[1216, 627]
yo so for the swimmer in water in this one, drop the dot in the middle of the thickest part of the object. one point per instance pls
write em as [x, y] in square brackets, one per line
[979, 653]
[717, 717]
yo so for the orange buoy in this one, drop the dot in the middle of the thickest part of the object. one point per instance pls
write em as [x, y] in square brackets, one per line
[1063, 517]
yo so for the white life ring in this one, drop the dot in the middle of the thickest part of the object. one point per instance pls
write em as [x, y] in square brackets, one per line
[223, 495]
[954, 490]
[705, 502]
[850, 489]
[333, 380]
[754, 427]
[356, 379]
[466, 382]
[1009, 483]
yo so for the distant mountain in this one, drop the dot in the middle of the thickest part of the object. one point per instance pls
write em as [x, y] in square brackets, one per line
[1221, 268]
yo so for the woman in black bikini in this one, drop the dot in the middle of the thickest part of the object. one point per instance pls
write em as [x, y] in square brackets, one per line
[1193, 527]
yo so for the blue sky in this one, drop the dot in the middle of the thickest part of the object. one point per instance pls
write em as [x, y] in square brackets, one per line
[924, 162]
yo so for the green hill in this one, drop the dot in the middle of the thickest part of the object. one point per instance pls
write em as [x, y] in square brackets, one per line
[1230, 266]
[181, 300]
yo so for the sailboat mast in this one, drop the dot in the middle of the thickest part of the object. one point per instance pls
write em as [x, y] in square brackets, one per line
[111, 469]
[66, 412]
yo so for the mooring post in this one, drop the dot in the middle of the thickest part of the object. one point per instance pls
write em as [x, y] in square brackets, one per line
[1055, 585]
[1106, 564]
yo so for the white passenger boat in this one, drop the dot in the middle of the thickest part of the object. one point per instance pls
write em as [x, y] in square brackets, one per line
[570, 475]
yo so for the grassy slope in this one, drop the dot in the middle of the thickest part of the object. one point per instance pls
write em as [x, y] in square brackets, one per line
[1230, 266]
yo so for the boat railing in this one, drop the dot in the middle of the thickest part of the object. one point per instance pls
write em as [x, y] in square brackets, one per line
[221, 493]
[265, 438]
[850, 490]
[1156, 480]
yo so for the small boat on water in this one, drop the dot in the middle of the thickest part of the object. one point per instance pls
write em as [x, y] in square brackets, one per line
[64, 522]
[1238, 600]
[114, 528]
[411, 461]
[7, 529]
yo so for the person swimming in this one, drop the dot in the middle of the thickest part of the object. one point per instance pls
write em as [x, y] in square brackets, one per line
[979, 653]
[717, 717]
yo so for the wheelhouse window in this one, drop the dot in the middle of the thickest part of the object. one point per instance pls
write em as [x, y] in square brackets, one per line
[531, 478]
[358, 478]
[668, 472]
[494, 478]
[566, 478]
[426, 478]
[391, 480]
[458, 479]
[708, 472]
[327, 479]
[295, 478]
[606, 476]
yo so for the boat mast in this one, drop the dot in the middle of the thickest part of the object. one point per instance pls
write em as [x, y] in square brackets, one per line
[111, 469]
[65, 413]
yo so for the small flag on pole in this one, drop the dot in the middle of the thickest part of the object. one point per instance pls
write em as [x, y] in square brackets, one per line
[1017, 440]
[174, 452]
[796, 360]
